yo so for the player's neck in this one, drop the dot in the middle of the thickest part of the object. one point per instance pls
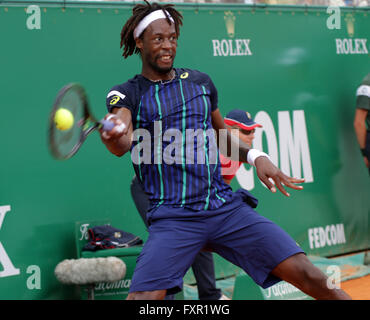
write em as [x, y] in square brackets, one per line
[154, 76]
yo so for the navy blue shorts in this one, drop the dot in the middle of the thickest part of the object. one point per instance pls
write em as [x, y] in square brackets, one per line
[235, 231]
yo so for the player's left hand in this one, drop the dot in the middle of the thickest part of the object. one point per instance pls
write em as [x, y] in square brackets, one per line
[267, 170]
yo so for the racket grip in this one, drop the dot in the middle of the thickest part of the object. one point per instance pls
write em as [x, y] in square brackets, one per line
[107, 125]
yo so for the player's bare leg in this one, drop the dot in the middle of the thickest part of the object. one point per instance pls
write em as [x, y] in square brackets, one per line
[147, 295]
[300, 272]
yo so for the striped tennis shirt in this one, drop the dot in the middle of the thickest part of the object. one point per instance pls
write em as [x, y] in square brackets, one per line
[174, 150]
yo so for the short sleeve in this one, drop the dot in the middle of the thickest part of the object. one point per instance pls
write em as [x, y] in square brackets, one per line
[363, 97]
[213, 95]
[203, 79]
[118, 97]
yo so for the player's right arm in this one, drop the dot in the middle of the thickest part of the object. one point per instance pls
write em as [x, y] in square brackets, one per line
[120, 107]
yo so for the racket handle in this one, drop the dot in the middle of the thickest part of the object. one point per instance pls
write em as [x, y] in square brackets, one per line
[109, 125]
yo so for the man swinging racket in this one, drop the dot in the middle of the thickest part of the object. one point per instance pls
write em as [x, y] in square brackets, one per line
[191, 207]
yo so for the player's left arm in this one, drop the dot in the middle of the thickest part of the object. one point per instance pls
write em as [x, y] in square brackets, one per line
[264, 167]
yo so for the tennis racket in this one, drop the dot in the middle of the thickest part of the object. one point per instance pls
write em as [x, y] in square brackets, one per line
[64, 144]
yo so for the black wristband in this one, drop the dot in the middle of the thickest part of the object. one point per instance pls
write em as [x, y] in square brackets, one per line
[363, 151]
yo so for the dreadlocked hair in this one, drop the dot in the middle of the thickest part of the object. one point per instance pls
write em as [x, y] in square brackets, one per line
[138, 13]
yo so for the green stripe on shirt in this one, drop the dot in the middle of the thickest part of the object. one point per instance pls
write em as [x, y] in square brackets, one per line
[159, 149]
[205, 146]
[183, 146]
[137, 126]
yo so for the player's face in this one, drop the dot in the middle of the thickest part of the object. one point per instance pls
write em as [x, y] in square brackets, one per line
[158, 46]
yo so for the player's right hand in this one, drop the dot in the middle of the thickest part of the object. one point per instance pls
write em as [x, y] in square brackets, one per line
[118, 140]
[118, 130]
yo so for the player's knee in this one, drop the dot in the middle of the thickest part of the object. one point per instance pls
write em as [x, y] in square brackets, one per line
[309, 275]
[299, 269]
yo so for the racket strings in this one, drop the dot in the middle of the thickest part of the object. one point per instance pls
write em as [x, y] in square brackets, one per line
[64, 142]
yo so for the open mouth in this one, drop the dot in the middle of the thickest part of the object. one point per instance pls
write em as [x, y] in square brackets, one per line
[165, 58]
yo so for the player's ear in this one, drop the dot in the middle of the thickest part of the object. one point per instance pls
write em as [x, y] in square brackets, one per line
[139, 43]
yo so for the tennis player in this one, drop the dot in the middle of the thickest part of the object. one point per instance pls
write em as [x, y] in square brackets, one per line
[191, 207]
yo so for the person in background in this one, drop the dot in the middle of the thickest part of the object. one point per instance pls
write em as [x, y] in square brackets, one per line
[240, 123]
[362, 119]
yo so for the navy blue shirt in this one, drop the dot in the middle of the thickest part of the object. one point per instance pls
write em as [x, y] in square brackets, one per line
[175, 154]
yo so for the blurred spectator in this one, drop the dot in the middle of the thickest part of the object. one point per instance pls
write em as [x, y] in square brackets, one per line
[335, 3]
[362, 119]
[361, 3]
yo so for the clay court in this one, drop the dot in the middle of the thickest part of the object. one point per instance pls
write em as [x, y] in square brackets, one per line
[358, 289]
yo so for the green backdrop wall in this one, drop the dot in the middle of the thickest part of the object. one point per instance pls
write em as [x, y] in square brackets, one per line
[287, 66]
